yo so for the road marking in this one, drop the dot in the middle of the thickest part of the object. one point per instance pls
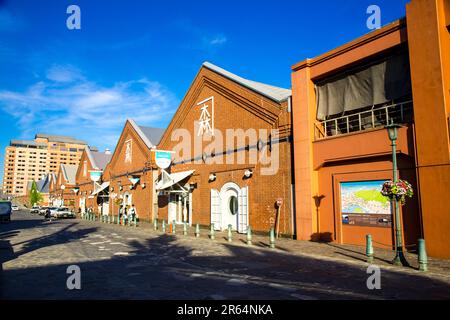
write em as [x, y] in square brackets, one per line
[282, 287]
[101, 242]
[236, 282]
[119, 243]
[303, 297]
[133, 274]
[120, 254]
[197, 275]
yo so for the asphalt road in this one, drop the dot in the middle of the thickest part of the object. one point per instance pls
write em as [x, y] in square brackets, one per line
[138, 263]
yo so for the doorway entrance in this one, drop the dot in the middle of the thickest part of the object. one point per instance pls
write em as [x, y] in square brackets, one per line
[230, 207]
[179, 208]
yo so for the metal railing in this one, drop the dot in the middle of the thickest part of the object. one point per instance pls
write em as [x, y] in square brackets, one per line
[364, 120]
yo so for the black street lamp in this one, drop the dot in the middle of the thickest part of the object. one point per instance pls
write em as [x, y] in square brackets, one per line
[399, 257]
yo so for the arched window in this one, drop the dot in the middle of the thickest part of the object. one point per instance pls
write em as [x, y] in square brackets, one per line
[233, 205]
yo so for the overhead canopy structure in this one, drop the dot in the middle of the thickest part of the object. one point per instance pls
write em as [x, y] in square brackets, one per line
[371, 85]
[102, 187]
[170, 179]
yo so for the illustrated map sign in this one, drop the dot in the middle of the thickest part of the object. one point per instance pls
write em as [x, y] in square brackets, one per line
[362, 204]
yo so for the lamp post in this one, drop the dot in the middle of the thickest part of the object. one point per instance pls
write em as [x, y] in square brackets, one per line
[399, 256]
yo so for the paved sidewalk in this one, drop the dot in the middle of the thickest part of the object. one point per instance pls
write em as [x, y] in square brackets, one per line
[120, 262]
[437, 268]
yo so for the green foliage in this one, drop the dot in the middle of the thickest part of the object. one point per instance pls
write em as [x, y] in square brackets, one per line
[371, 195]
[35, 195]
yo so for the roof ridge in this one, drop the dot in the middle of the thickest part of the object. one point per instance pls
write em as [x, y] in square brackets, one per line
[276, 93]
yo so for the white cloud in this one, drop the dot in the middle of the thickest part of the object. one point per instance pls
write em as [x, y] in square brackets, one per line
[218, 40]
[64, 74]
[69, 104]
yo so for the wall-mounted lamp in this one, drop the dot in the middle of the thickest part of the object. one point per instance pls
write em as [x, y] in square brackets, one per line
[248, 173]
[143, 185]
[212, 177]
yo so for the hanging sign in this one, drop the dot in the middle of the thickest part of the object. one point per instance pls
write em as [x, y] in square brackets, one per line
[95, 175]
[163, 159]
[134, 180]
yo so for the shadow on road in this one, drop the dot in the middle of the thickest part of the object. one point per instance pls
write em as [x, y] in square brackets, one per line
[162, 268]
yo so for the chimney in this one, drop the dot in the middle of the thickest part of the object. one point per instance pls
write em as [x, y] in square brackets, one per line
[107, 151]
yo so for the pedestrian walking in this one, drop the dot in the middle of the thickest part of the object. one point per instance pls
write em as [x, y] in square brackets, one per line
[133, 212]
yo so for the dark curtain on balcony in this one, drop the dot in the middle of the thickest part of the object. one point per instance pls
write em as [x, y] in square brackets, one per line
[378, 83]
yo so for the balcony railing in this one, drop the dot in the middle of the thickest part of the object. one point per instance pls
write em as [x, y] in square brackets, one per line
[376, 117]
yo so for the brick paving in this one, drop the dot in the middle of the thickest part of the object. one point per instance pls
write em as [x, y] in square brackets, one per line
[120, 262]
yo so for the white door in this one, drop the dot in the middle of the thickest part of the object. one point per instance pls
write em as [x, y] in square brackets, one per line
[83, 205]
[215, 209]
[243, 210]
[172, 209]
[230, 208]
[105, 208]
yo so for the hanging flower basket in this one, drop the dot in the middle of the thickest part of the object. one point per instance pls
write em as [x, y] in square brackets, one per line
[398, 191]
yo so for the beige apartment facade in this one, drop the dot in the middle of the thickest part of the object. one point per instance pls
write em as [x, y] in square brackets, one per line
[28, 160]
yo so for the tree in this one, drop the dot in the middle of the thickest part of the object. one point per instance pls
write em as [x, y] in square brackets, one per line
[35, 195]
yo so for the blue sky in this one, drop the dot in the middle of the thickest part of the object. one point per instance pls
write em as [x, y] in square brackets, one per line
[136, 59]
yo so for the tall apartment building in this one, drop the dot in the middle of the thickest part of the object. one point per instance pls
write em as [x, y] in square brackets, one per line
[27, 160]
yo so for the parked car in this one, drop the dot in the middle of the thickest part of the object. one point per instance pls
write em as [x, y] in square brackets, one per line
[5, 211]
[14, 207]
[35, 209]
[61, 212]
[42, 211]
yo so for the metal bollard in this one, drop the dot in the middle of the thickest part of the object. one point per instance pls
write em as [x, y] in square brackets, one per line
[212, 235]
[197, 230]
[369, 248]
[230, 236]
[174, 227]
[155, 224]
[422, 256]
[249, 236]
[184, 229]
[163, 226]
[272, 238]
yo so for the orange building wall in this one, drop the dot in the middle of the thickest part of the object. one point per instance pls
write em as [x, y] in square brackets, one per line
[429, 45]
[307, 181]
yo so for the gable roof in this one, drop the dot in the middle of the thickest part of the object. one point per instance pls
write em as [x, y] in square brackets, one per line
[275, 93]
[98, 160]
[69, 173]
[150, 136]
[43, 185]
